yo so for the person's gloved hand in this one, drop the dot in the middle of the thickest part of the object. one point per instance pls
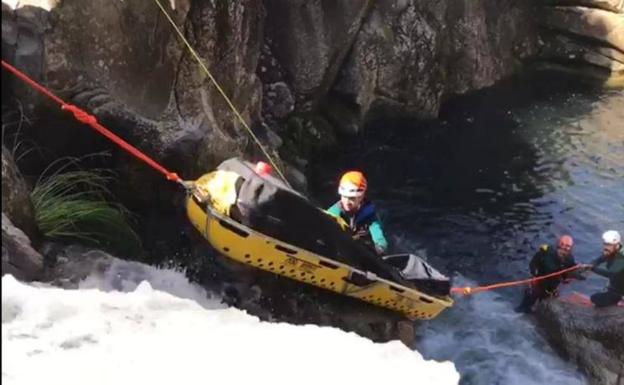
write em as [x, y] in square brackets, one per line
[587, 267]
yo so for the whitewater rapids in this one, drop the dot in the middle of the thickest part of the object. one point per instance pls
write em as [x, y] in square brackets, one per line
[98, 335]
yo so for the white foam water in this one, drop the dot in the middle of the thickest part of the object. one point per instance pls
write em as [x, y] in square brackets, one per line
[114, 331]
[492, 344]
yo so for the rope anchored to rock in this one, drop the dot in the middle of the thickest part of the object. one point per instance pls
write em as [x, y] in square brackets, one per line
[473, 290]
[86, 118]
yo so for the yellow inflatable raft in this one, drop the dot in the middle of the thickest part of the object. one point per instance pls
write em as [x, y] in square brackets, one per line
[208, 210]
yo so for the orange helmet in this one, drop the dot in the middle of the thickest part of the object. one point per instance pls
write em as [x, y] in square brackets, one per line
[352, 184]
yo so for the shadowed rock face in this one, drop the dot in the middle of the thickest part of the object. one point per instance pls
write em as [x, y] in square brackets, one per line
[278, 59]
[123, 62]
[19, 258]
[410, 55]
[593, 338]
[309, 40]
[15, 196]
[227, 35]
[585, 37]
[404, 56]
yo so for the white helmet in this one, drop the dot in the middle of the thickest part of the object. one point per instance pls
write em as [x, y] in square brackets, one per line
[611, 237]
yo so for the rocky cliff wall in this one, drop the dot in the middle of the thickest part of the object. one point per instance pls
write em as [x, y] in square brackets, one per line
[276, 59]
[583, 37]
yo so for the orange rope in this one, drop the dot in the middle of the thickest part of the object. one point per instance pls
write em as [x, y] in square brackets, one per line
[85, 118]
[472, 290]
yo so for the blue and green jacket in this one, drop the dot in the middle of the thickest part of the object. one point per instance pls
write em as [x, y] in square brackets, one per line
[364, 225]
[612, 268]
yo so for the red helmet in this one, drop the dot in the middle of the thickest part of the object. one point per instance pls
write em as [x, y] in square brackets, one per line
[262, 168]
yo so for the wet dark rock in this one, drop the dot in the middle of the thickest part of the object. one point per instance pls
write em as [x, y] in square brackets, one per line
[122, 62]
[68, 265]
[19, 258]
[279, 100]
[228, 37]
[593, 338]
[16, 202]
[22, 45]
[310, 40]
[405, 56]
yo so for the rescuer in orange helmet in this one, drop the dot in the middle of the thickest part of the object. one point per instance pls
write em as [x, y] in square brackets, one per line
[358, 212]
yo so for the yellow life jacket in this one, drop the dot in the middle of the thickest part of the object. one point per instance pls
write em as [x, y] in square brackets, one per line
[341, 222]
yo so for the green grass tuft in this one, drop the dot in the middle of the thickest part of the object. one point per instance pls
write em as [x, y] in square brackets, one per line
[75, 206]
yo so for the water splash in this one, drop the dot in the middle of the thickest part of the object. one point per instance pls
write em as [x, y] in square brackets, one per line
[492, 344]
[58, 336]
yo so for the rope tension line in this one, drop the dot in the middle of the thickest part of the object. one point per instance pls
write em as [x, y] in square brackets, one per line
[221, 91]
[472, 290]
[83, 117]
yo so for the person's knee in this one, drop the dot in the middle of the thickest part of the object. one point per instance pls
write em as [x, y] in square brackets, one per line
[598, 299]
[604, 299]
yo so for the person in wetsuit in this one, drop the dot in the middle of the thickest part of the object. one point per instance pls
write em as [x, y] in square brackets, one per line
[610, 265]
[548, 260]
[358, 212]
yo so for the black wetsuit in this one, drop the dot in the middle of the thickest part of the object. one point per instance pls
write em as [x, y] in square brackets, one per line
[546, 261]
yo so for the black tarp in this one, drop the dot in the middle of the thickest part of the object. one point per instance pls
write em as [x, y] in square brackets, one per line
[420, 273]
[266, 205]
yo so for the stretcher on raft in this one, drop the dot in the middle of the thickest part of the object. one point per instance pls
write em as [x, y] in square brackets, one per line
[258, 221]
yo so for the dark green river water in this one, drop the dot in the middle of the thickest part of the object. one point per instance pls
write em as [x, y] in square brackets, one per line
[477, 191]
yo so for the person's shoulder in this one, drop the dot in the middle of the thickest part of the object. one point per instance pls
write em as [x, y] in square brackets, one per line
[367, 202]
[545, 251]
[543, 248]
[367, 207]
[334, 209]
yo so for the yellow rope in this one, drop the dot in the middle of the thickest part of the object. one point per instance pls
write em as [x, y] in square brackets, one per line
[214, 81]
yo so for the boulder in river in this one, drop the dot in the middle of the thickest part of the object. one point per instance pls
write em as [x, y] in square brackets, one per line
[19, 258]
[593, 338]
